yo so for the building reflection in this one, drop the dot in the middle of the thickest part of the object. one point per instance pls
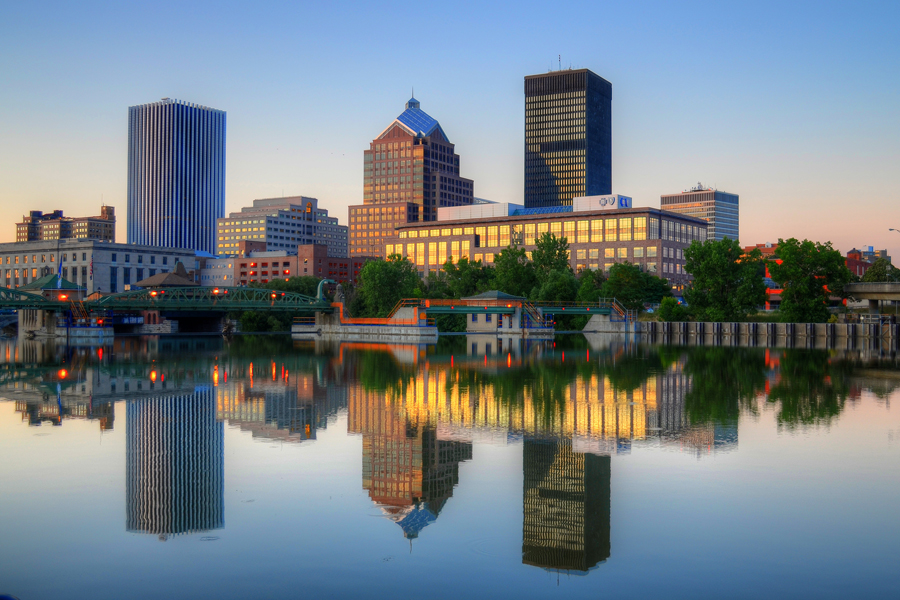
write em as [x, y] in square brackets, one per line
[175, 464]
[408, 470]
[566, 506]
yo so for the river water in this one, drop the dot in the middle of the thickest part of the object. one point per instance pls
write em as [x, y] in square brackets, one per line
[261, 467]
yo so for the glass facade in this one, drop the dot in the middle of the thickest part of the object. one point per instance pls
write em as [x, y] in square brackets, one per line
[176, 174]
[719, 209]
[568, 137]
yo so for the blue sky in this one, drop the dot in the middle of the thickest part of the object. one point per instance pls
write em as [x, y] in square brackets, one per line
[794, 106]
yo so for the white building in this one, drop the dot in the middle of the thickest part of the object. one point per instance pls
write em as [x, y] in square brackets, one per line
[98, 266]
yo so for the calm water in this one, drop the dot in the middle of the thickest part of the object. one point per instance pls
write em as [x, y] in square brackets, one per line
[261, 468]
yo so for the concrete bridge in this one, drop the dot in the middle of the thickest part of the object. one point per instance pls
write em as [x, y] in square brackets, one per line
[873, 292]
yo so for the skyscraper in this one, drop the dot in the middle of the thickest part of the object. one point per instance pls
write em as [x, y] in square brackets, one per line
[719, 209]
[410, 170]
[568, 137]
[176, 174]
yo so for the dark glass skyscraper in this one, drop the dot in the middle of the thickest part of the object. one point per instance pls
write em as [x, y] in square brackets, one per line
[568, 137]
[176, 174]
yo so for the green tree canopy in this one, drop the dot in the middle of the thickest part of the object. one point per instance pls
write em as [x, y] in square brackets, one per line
[882, 271]
[383, 283]
[631, 286]
[513, 272]
[809, 273]
[727, 285]
[550, 254]
[467, 278]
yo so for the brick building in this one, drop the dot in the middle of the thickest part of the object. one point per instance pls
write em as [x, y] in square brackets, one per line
[37, 226]
[599, 232]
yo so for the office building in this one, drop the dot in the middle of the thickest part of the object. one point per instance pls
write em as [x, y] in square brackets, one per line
[174, 464]
[598, 231]
[282, 224]
[176, 174]
[566, 506]
[93, 265]
[262, 266]
[410, 170]
[37, 226]
[568, 137]
[719, 209]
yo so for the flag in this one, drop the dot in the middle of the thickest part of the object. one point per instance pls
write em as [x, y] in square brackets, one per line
[58, 272]
[92, 267]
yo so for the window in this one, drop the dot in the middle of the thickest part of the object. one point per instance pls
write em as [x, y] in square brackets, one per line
[640, 228]
[611, 234]
[569, 231]
[651, 251]
[625, 229]
[580, 254]
[487, 318]
[639, 252]
[622, 253]
[114, 257]
[609, 253]
[128, 258]
[492, 236]
[152, 260]
[420, 254]
[474, 318]
[583, 232]
[556, 228]
[504, 236]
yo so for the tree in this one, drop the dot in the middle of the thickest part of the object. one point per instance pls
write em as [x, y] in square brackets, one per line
[631, 286]
[809, 273]
[671, 310]
[550, 254]
[559, 286]
[513, 272]
[727, 284]
[467, 278]
[881, 271]
[383, 283]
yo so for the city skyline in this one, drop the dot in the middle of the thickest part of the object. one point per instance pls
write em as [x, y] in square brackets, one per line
[751, 105]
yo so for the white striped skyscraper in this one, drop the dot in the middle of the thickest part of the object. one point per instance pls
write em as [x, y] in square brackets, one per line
[176, 174]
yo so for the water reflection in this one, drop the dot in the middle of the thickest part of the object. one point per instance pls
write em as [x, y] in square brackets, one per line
[566, 507]
[571, 404]
[175, 464]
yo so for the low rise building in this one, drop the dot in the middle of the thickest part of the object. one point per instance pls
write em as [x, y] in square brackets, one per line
[37, 226]
[254, 264]
[94, 265]
[600, 230]
[282, 224]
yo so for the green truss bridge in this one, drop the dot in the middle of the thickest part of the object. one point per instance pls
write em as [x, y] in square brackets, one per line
[206, 299]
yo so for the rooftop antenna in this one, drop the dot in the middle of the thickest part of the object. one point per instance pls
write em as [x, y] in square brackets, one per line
[560, 62]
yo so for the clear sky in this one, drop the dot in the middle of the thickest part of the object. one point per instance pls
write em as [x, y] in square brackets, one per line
[792, 105]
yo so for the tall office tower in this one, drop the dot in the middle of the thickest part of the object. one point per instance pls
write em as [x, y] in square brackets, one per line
[176, 174]
[719, 209]
[174, 464]
[283, 224]
[566, 506]
[410, 170]
[37, 226]
[568, 137]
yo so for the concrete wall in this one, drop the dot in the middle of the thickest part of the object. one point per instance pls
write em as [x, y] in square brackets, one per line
[802, 335]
